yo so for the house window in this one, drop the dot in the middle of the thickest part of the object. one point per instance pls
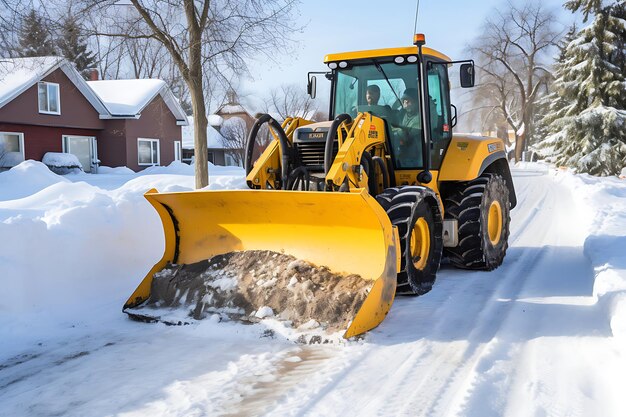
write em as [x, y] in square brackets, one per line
[211, 157]
[49, 99]
[178, 150]
[148, 151]
[11, 149]
[230, 161]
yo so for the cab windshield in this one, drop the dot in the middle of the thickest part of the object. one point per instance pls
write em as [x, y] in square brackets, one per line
[389, 90]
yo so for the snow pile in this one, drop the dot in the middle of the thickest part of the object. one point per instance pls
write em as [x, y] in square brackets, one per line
[605, 246]
[62, 163]
[115, 170]
[254, 285]
[176, 167]
[69, 248]
[25, 179]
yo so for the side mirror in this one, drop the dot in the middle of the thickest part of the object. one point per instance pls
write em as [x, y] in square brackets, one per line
[467, 75]
[312, 87]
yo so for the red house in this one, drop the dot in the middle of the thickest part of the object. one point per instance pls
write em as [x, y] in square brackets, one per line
[46, 106]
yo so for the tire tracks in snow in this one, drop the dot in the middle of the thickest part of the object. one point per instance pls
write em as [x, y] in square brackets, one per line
[28, 365]
[438, 373]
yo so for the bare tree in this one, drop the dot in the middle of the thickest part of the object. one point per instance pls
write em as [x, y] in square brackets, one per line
[205, 39]
[234, 133]
[512, 55]
[290, 100]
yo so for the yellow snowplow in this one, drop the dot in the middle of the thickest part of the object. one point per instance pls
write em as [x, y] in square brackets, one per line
[201, 224]
[382, 190]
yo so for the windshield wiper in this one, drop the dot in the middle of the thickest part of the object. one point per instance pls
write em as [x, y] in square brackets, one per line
[379, 68]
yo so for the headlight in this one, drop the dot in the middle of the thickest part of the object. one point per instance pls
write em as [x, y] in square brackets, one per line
[399, 60]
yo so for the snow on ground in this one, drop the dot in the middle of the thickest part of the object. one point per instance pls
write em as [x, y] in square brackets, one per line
[544, 334]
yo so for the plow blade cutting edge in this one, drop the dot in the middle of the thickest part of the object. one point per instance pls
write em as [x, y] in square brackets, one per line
[347, 232]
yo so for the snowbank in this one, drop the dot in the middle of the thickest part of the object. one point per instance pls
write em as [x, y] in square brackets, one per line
[605, 203]
[69, 248]
[25, 179]
[115, 170]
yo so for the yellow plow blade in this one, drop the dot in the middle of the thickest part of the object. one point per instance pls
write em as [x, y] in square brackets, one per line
[346, 232]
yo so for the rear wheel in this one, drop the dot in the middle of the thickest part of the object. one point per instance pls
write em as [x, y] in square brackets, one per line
[481, 208]
[413, 210]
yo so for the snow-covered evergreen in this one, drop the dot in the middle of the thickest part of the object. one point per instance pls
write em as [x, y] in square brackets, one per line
[35, 38]
[587, 116]
[72, 45]
[555, 103]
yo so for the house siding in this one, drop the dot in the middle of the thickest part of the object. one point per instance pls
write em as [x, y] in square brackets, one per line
[116, 138]
[76, 111]
[156, 122]
[41, 139]
[112, 146]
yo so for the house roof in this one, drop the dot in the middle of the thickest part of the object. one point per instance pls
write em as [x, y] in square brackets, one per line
[214, 138]
[128, 98]
[111, 98]
[231, 108]
[19, 74]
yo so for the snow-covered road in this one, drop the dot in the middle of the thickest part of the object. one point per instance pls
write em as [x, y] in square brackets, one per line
[533, 338]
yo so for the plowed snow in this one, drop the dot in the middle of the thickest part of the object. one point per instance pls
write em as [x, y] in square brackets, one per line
[252, 285]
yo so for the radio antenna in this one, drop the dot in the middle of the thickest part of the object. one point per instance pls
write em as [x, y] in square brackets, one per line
[417, 10]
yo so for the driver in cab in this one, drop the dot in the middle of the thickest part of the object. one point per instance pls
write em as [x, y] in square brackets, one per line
[372, 97]
[406, 138]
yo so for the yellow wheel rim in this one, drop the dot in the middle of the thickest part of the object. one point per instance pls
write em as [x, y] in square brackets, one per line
[420, 243]
[494, 223]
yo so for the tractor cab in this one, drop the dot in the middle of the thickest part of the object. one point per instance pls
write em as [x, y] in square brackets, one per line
[386, 83]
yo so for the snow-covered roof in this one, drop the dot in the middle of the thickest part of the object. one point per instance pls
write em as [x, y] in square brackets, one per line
[110, 98]
[214, 138]
[19, 74]
[128, 98]
[232, 109]
[215, 120]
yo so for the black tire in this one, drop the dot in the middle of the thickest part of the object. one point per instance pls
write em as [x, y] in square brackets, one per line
[470, 204]
[405, 206]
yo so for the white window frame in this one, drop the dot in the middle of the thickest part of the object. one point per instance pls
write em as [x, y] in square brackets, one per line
[178, 150]
[158, 148]
[21, 144]
[58, 96]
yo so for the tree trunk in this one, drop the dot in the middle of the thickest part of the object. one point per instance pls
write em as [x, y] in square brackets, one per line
[521, 135]
[200, 124]
[196, 90]
[519, 146]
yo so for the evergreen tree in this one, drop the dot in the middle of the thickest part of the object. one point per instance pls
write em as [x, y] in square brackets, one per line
[72, 45]
[34, 36]
[553, 105]
[588, 117]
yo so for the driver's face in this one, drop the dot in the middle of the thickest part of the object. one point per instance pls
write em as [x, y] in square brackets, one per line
[372, 97]
[409, 105]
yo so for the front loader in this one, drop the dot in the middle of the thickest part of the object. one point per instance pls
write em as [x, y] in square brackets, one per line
[383, 189]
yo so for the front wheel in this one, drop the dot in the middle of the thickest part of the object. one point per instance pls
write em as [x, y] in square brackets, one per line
[414, 211]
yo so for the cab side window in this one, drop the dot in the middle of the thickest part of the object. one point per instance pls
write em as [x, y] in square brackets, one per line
[440, 129]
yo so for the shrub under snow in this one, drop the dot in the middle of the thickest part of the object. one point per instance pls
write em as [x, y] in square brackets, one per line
[62, 163]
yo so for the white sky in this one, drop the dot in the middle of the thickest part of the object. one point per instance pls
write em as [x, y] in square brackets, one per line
[350, 25]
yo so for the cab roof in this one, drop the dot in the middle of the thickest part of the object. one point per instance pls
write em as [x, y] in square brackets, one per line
[387, 52]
